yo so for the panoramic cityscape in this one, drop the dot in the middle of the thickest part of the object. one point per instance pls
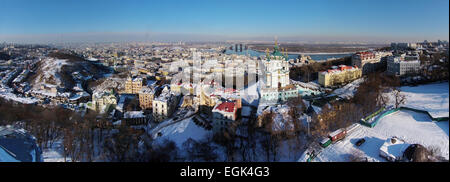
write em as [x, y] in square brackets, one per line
[224, 81]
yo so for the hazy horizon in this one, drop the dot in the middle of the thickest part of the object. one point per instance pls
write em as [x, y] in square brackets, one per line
[99, 37]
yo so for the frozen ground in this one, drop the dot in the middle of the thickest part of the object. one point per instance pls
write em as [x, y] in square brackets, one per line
[410, 126]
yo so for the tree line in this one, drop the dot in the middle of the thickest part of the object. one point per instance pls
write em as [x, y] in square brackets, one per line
[84, 136]
[309, 72]
[376, 91]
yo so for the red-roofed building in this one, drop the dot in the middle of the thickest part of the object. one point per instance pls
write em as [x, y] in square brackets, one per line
[230, 90]
[368, 61]
[226, 107]
[365, 55]
[223, 114]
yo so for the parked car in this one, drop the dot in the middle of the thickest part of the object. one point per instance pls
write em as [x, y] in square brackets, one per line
[360, 142]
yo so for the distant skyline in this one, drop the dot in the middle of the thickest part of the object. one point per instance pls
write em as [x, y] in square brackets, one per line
[372, 21]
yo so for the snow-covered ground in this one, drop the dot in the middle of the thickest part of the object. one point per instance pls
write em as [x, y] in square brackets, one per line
[348, 90]
[181, 131]
[10, 96]
[410, 126]
[281, 119]
[50, 69]
[250, 95]
[430, 97]
[309, 85]
[55, 153]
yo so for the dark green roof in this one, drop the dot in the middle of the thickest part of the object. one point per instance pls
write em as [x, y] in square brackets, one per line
[276, 53]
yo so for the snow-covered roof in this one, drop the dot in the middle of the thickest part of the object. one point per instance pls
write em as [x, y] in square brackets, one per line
[225, 107]
[16, 145]
[393, 148]
[147, 90]
[134, 114]
[165, 95]
[340, 69]
[334, 133]
[79, 95]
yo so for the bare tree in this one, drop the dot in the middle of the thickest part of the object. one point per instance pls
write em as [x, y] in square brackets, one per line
[206, 151]
[189, 146]
[399, 97]
[382, 99]
[265, 141]
[356, 156]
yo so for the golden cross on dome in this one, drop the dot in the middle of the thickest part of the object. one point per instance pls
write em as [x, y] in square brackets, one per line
[276, 40]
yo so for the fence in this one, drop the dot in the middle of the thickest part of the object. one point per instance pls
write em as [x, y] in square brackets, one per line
[366, 120]
[373, 114]
[427, 113]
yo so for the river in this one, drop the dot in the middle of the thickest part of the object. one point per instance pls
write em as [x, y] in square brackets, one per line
[314, 56]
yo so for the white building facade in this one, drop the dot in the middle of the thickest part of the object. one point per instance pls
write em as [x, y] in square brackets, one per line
[400, 66]
[164, 105]
[275, 75]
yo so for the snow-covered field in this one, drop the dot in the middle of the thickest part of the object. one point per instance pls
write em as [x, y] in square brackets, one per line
[410, 126]
[430, 97]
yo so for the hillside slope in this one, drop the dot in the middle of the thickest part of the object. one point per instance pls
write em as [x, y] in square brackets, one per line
[65, 70]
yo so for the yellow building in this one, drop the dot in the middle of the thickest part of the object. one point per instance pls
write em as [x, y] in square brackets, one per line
[339, 75]
[176, 87]
[146, 96]
[133, 86]
[142, 70]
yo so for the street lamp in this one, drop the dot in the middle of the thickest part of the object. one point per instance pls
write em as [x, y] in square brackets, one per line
[308, 120]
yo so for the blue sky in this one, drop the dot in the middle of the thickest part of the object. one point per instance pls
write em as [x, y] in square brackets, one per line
[229, 18]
